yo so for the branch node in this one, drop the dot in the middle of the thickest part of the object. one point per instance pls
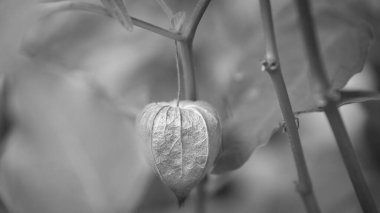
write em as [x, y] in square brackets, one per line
[284, 127]
[326, 98]
[269, 66]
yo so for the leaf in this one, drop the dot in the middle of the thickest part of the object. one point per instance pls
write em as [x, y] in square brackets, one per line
[344, 41]
[85, 150]
[44, 25]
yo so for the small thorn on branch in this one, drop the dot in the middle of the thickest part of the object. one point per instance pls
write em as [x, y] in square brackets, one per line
[285, 129]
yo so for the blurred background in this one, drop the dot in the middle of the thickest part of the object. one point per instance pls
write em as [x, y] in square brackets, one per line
[72, 76]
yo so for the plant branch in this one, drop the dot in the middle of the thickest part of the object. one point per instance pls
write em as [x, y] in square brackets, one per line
[312, 50]
[185, 48]
[347, 97]
[195, 18]
[89, 7]
[329, 104]
[158, 30]
[179, 73]
[186, 59]
[165, 7]
[271, 65]
[350, 159]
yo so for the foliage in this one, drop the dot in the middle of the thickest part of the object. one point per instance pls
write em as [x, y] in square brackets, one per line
[68, 126]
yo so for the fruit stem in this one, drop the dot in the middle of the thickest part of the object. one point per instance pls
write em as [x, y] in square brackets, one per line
[195, 18]
[271, 65]
[156, 29]
[186, 48]
[328, 101]
[186, 60]
[179, 73]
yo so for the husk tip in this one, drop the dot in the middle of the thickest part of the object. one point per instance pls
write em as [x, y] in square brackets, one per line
[181, 200]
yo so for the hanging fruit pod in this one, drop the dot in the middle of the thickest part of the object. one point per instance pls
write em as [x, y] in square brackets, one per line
[181, 142]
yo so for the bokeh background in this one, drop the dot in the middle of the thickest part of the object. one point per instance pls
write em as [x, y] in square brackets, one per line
[74, 78]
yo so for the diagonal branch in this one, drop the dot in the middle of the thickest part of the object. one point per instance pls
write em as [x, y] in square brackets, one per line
[195, 18]
[271, 65]
[348, 97]
[328, 101]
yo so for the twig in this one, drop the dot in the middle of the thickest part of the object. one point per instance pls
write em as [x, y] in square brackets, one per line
[158, 30]
[328, 102]
[271, 65]
[186, 59]
[195, 18]
[179, 73]
[186, 48]
[165, 7]
[347, 97]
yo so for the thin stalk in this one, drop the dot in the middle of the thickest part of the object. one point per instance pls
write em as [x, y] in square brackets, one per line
[156, 29]
[312, 50]
[349, 156]
[186, 59]
[195, 18]
[329, 104]
[179, 73]
[165, 7]
[186, 48]
[271, 65]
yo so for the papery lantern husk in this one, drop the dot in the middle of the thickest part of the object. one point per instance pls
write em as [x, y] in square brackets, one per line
[181, 142]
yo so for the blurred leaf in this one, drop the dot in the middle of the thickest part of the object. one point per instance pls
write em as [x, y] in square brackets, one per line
[344, 41]
[40, 34]
[69, 150]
